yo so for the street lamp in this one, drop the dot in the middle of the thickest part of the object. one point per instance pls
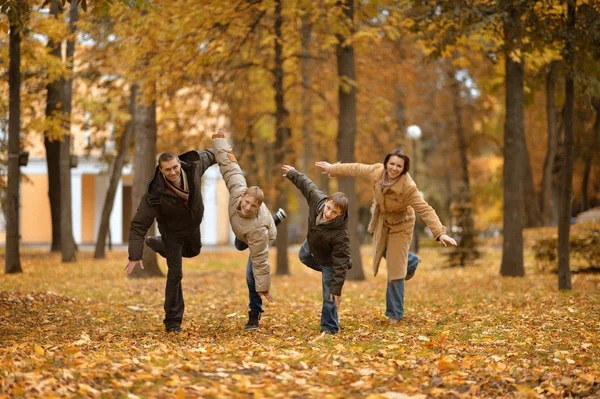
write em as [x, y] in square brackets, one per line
[414, 133]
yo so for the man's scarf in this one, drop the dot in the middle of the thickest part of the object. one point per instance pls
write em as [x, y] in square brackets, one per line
[184, 193]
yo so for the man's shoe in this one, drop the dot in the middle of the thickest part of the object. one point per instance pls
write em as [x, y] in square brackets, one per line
[156, 244]
[175, 330]
[253, 319]
[279, 216]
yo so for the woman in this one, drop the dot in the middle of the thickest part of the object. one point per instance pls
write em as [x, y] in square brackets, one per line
[393, 219]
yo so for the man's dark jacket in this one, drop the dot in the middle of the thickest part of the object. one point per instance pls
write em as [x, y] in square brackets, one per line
[329, 242]
[173, 215]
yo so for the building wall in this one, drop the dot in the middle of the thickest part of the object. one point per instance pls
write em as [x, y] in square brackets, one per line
[36, 222]
[88, 212]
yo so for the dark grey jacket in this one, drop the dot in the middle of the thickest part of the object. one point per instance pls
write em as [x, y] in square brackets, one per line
[329, 242]
[173, 215]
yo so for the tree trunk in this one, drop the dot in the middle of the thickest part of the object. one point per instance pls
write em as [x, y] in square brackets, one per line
[467, 250]
[514, 127]
[346, 139]
[282, 135]
[546, 203]
[566, 193]
[533, 215]
[144, 121]
[68, 247]
[13, 256]
[307, 116]
[52, 144]
[115, 177]
[559, 164]
[585, 205]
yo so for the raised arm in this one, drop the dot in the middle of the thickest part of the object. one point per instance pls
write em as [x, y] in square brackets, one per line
[306, 186]
[348, 169]
[228, 165]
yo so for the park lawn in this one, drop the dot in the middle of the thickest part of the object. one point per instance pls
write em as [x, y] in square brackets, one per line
[85, 330]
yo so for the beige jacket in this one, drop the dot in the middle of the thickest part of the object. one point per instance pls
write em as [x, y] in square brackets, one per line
[392, 215]
[258, 230]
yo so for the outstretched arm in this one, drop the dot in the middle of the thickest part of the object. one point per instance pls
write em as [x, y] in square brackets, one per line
[348, 169]
[228, 165]
[308, 188]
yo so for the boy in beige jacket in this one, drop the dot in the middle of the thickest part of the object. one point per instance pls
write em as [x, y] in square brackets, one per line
[252, 224]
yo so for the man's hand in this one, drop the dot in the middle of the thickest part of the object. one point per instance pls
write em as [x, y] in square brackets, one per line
[337, 300]
[131, 265]
[447, 240]
[267, 296]
[287, 168]
[326, 166]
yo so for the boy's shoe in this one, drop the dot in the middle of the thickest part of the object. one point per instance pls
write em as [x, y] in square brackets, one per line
[156, 244]
[409, 276]
[279, 216]
[175, 330]
[393, 321]
[253, 319]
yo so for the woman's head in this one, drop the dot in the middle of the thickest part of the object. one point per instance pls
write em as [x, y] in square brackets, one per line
[396, 164]
[252, 200]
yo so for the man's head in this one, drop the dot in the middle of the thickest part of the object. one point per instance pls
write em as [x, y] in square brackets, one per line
[335, 205]
[170, 166]
[252, 200]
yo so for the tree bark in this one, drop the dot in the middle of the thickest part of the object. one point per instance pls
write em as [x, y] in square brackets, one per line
[68, 246]
[533, 215]
[346, 139]
[144, 121]
[52, 144]
[566, 193]
[546, 203]
[282, 135]
[585, 181]
[514, 127]
[307, 116]
[13, 256]
[115, 177]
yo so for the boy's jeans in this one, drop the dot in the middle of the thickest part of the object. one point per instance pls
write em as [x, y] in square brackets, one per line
[329, 313]
[255, 299]
[394, 295]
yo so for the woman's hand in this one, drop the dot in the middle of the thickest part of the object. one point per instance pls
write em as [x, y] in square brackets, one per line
[287, 168]
[447, 240]
[326, 166]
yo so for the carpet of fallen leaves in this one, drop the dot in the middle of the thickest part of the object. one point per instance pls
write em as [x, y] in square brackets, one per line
[85, 330]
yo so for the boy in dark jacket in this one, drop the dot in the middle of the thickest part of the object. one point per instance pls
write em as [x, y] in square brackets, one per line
[327, 245]
[174, 199]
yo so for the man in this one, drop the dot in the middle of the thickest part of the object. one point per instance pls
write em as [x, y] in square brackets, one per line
[174, 199]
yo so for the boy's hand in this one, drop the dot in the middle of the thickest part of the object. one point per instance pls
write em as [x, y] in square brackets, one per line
[267, 296]
[337, 300]
[287, 168]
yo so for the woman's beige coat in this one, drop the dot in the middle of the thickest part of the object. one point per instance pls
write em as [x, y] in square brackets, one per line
[258, 230]
[392, 215]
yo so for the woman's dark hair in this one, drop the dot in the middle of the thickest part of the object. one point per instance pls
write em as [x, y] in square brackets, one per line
[397, 153]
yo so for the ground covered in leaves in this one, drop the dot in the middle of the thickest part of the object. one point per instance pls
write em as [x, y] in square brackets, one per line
[86, 330]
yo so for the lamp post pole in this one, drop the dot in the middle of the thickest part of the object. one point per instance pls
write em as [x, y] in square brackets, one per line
[414, 133]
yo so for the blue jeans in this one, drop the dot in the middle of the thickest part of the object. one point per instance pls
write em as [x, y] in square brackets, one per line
[307, 257]
[329, 314]
[255, 298]
[394, 295]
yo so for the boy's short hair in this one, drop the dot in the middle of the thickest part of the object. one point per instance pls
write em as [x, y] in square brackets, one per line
[339, 200]
[256, 193]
